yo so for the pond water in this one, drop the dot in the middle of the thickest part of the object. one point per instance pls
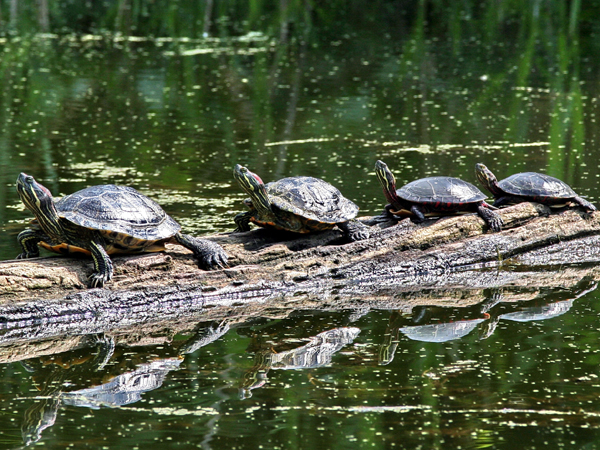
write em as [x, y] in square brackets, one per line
[503, 374]
[171, 117]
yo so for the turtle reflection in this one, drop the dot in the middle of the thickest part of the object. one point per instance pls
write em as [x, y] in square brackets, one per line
[50, 374]
[42, 414]
[534, 310]
[204, 335]
[428, 324]
[318, 352]
[77, 378]
[437, 324]
[125, 388]
[541, 312]
[525, 313]
[441, 332]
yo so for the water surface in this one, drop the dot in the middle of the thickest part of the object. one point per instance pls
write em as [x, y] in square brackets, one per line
[171, 117]
[506, 373]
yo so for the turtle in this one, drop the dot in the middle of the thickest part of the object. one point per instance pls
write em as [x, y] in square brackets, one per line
[530, 187]
[104, 220]
[298, 204]
[434, 196]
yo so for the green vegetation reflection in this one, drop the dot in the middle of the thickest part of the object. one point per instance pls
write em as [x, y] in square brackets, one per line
[167, 96]
[434, 375]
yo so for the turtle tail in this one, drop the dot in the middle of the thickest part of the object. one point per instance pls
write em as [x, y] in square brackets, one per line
[589, 207]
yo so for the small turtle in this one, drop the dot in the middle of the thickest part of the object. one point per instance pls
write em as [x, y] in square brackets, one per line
[530, 187]
[104, 220]
[298, 204]
[434, 196]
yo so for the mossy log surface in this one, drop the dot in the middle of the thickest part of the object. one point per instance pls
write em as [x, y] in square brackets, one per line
[453, 261]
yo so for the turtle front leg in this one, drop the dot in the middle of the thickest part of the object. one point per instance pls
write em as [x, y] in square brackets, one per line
[242, 220]
[103, 266]
[419, 216]
[210, 255]
[385, 216]
[490, 217]
[387, 212]
[354, 230]
[29, 239]
[589, 207]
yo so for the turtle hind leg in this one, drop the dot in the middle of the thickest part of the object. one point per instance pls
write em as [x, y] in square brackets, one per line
[589, 207]
[103, 266]
[29, 239]
[354, 230]
[210, 255]
[492, 218]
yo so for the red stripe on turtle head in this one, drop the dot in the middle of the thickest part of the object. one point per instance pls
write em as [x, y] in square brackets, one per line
[256, 177]
[43, 188]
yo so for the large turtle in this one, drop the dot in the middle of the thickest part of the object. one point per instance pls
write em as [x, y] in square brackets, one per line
[298, 204]
[434, 196]
[530, 187]
[104, 220]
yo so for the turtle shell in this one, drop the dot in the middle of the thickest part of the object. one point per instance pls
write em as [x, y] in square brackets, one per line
[533, 184]
[312, 199]
[128, 220]
[440, 190]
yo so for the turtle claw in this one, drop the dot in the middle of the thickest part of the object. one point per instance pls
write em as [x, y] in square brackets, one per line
[221, 259]
[496, 224]
[587, 215]
[493, 219]
[27, 255]
[355, 230]
[384, 217]
[216, 261]
[210, 255]
[359, 235]
[98, 280]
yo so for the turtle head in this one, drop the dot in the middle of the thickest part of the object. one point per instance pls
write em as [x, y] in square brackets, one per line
[387, 180]
[253, 186]
[35, 196]
[486, 177]
[38, 200]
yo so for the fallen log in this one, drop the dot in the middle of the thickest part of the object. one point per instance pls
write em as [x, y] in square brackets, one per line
[453, 261]
[261, 256]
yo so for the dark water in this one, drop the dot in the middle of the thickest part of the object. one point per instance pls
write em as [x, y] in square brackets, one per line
[503, 374]
[172, 117]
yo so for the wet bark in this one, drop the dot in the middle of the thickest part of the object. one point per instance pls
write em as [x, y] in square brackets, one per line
[287, 262]
[453, 261]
